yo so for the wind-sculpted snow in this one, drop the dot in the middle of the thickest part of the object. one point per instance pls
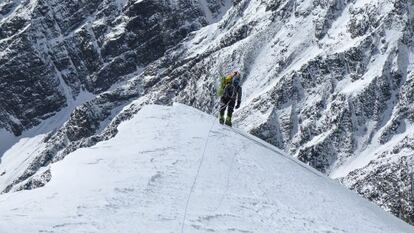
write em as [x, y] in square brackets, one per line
[329, 82]
[175, 169]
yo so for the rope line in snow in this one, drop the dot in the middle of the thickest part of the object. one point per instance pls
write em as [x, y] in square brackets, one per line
[197, 174]
[228, 177]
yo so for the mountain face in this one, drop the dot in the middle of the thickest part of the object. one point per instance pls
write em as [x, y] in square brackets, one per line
[329, 82]
[53, 49]
[176, 169]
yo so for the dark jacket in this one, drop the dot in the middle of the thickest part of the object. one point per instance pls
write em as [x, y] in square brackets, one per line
[233, 92]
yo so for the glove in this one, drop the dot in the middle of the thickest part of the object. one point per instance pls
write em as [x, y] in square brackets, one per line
[237, 106]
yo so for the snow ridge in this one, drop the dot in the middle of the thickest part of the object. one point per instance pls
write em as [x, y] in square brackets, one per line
[138, 181]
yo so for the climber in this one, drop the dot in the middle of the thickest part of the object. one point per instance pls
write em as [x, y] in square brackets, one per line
[230, 98]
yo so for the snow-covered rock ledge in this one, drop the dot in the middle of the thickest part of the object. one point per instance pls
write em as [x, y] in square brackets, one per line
[152, 177]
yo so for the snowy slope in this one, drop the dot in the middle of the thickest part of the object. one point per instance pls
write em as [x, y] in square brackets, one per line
[173, 165]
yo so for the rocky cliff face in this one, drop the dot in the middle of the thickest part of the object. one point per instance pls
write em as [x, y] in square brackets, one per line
[330, 82]
[52, 50]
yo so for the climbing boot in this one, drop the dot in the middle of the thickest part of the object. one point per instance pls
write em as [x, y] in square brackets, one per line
[228, 121]
[221, 119]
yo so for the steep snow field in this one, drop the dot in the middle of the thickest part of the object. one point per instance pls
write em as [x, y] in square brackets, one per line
[173, 165]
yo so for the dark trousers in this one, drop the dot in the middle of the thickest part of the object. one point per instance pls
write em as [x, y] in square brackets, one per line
[229, 104]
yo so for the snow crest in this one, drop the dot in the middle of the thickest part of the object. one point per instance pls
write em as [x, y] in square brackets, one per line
[141, 180]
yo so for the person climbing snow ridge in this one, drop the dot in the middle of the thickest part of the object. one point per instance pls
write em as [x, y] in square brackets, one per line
[231, 93]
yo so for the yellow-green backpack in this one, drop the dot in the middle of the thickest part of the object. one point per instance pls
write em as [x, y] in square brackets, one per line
[223, 83]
